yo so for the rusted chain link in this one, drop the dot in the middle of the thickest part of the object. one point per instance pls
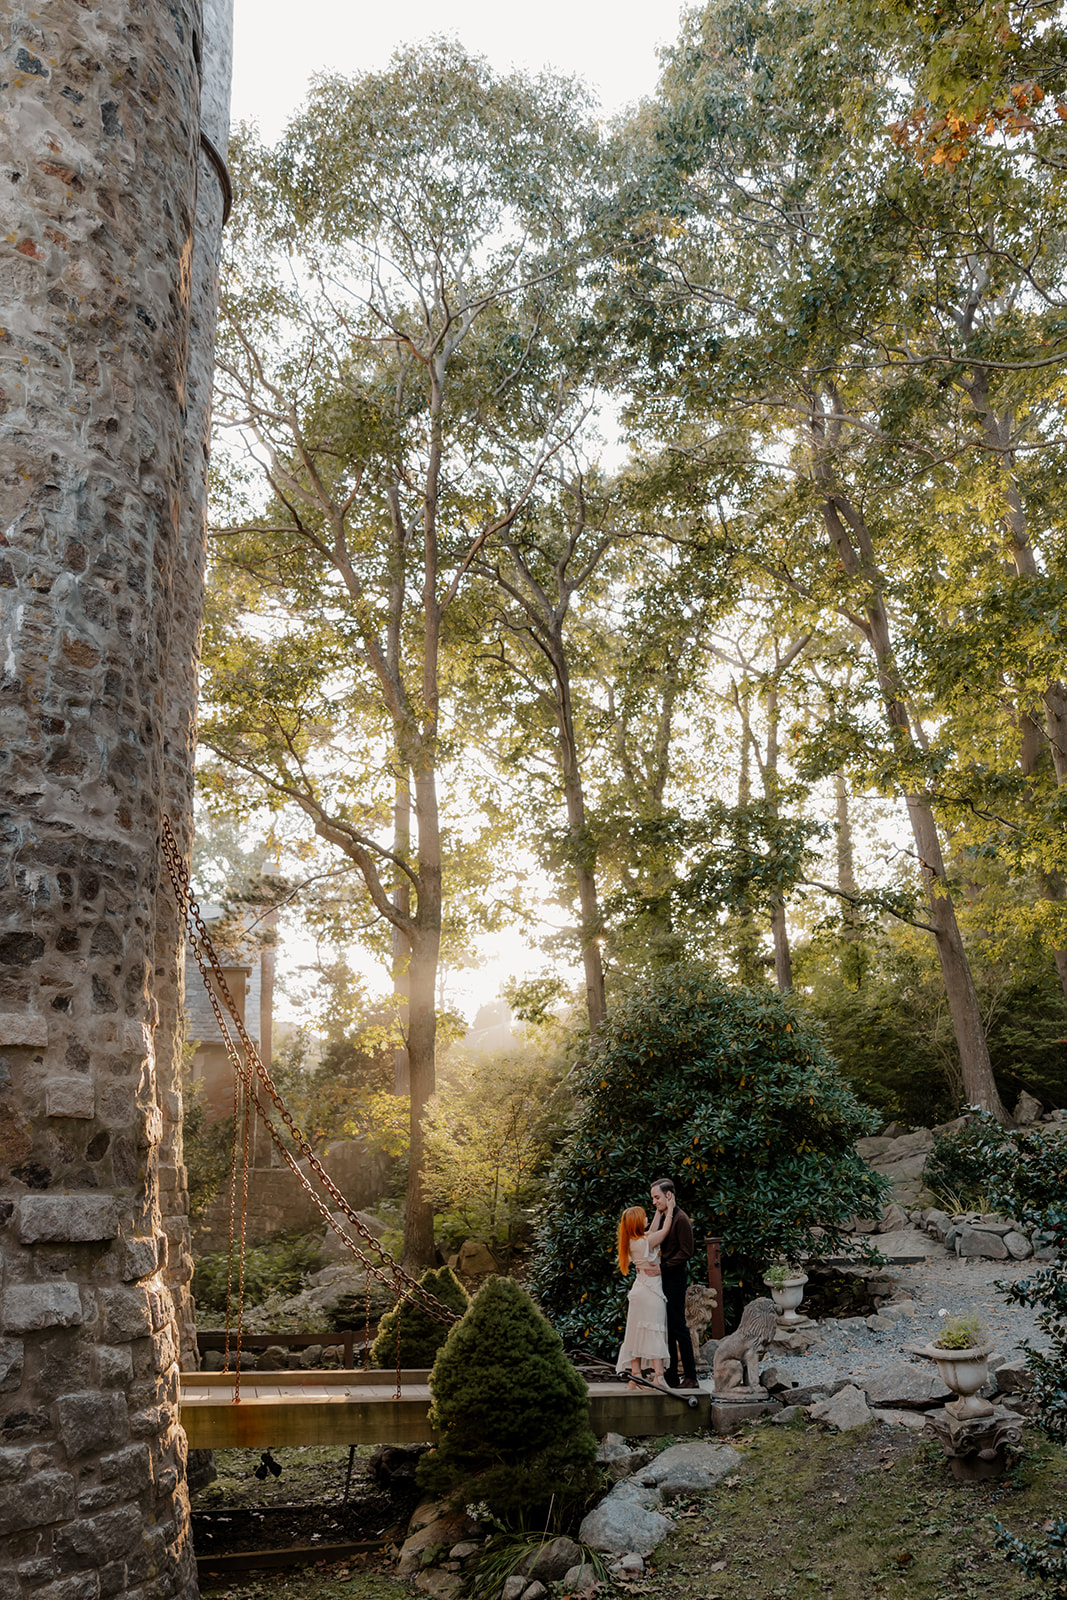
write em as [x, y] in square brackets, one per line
[390, 1273]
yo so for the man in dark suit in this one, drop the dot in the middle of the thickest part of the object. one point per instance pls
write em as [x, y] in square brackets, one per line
[674, 1266]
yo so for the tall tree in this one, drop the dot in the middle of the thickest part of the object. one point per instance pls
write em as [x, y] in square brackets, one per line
[398, 361]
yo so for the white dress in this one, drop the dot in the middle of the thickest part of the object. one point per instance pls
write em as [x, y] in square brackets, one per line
[645, 1338]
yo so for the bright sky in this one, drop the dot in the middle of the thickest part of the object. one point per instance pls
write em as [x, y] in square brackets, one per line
[610, 43]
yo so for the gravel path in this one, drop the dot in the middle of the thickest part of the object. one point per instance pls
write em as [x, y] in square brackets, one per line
[848, 1348]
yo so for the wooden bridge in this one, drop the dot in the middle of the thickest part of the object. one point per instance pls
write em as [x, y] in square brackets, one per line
[294, 1408]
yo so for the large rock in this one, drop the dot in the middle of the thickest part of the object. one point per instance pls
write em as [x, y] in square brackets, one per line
[553, 1561]
[937, 1222]
[334, 1250]
[1014, 1376]
[581, 1579]
[475, 1259]
[619, 1460]
[908, 1245]
[847, 1409]
[1018, 1246]
[1027, 1110]
[906, 1386]
[980, 1242]
[685, 1467]
[894, 1219]
[433, 1526]
[627, 1519]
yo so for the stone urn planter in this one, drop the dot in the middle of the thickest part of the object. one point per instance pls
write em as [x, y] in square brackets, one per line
[965, 1372]
[787, 1291]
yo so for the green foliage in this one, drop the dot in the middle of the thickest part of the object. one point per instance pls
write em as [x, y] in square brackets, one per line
[957, 1168]
[510, 1412]
[880, 1004]
[1047, 1562]
[277, 1268]
[732, 1095]
[490, 1132]
[206, 1147]
[409, 1329]
[964, 1331]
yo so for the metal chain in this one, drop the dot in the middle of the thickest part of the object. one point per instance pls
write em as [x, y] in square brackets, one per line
[251, 1067]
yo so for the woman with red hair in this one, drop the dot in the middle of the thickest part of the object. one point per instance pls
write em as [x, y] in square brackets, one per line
[645, 1339]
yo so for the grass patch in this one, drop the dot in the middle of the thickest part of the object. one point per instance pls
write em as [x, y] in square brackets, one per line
[876, 1516]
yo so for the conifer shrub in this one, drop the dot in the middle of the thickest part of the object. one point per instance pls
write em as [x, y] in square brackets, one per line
[729, 1092]
[510, 1411]
[421, 1336]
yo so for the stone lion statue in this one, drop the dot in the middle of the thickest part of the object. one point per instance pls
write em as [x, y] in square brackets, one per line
[700, 1302]
[737, 1358]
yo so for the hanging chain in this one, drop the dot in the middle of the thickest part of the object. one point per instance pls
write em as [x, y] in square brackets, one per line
[248, 1067]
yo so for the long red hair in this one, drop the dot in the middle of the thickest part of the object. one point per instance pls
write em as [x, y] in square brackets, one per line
[632, 1225]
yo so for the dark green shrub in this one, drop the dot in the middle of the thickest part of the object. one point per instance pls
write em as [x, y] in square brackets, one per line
[510, 1411]
[730, 1094]
[1026, 1174]
[421, 1336]
[279, 1267]
[957, 1168]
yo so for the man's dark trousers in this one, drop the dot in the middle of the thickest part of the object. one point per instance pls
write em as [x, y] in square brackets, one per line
[675, 1281]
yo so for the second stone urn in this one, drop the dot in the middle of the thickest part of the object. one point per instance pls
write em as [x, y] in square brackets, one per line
[965, 1372]
[787, 1291]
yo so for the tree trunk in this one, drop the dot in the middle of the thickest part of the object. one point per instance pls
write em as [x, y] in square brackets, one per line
[783, 960]
[419, 1249]
[99, 148]
[846, 871]
[401, 943]
[584, 873]
[978, 1082]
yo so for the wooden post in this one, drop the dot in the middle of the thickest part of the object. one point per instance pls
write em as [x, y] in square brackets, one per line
[718, 1316]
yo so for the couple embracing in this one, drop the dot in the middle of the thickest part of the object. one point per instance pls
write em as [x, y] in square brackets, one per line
[656, 1331]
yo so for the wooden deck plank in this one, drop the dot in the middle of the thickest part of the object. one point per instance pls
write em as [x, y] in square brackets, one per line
[339, 1413]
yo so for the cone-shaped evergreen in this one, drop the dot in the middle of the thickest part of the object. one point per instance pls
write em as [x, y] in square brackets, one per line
[421, 1336]
[510, 1411]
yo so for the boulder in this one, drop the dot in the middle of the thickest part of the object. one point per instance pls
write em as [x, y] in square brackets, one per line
[433, 1526]
[1018, 1245]
[275, 1358]
[1014, 1376]
[893, 1219]
[513, 1587]
[552, 1561]
[535, 1591]
[212, 1361]
[581, 1579]
[847, 1409]
[1027, 1110]
[880, 1324]
[627, 1519]
[685, 1467]
[936, 1222]
[333, 1249]
[901, 1308]
[781, 1419]
[619, 1461]
[907, 1245]
[475, 1259]
[971, 1241]
[906, 1385]
[311, 1356]
[628, 1567]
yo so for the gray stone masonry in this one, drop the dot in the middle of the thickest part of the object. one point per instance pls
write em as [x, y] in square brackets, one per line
[100, 168]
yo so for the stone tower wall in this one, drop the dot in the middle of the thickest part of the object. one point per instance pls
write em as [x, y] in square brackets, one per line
[99, 148]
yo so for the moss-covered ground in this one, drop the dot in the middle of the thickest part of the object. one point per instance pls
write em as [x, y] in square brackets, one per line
[870, 1515]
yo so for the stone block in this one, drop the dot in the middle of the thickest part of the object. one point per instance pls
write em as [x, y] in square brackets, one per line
[847, 1409]
[23, 1028]
[980, 1242]
[141, 1257]
[91, 1422]
[131, 1467]
[10, 1365]
[36, 1501]
[726, 1416]
[552, 1561]
[907, 1245]
[126, 1314]
[625, 1521]
[29, 1307]
[683, 1468]
[70, 1097]
[937, 1222]
[905, 1384]
[67, 1218]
